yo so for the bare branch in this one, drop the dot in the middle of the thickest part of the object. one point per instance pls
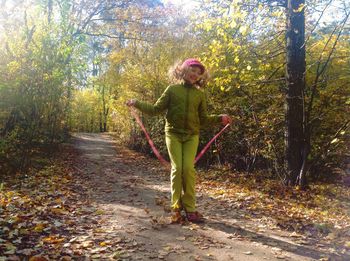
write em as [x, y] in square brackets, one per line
[320, 70]
[114, 36]
[328, 145]
[321, 15]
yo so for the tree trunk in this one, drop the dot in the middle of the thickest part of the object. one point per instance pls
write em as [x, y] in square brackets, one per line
[105, 118]
[295, 79]
[100, 118]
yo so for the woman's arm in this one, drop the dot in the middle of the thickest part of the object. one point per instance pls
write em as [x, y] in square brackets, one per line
[152, 109]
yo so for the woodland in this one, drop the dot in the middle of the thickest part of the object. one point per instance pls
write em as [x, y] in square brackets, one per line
[280, 68]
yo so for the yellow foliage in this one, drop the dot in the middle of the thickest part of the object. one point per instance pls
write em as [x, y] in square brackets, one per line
[300, 8]
[243, 30]
[13, 67]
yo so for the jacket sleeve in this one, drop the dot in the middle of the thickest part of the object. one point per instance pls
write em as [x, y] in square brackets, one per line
[205, 119]
[160, 105]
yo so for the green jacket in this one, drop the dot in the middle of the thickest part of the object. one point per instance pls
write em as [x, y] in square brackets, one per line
[186, 109]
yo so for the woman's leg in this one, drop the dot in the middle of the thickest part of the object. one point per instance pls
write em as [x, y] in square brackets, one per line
[174, 146]
[189, 151]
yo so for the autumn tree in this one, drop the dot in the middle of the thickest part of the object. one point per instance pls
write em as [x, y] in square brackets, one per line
[71, 65]
[295, 79]
[301, 114]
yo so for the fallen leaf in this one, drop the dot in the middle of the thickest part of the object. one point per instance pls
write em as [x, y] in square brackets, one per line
[87, 244]
[39, 227]
[26, 251]
[37, 258]
[52, 240]
[99, 212]
[295, 234]
[58, 211]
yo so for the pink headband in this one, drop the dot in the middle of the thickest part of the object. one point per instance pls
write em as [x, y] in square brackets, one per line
[194, 62]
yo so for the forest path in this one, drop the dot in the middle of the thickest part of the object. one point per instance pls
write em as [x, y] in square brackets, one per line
[132, 192]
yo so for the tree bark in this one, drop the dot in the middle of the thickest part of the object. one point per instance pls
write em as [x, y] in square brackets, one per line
[101, 125]
[295, 80]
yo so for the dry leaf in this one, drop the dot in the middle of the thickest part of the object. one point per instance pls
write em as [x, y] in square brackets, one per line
[39, 227]
[52, 240]
[37, 258]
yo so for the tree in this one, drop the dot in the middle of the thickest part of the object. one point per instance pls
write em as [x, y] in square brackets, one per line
[295, 79]
[302, 115]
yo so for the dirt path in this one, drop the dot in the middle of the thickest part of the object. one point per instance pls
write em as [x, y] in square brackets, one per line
[131, 193]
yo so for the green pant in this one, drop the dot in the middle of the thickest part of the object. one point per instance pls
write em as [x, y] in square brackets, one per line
[182, 151]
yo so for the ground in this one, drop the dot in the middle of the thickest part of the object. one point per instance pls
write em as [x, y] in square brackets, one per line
[133, 196]
[112, 204]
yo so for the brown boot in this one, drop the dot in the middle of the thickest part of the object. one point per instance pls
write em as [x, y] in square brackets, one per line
[195, 217]
[176, 217]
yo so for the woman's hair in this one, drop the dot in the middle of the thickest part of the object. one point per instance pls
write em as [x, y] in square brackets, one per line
[178, 71]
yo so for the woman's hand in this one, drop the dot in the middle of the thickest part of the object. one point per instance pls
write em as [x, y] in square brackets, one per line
[225, 119]
[131, 102]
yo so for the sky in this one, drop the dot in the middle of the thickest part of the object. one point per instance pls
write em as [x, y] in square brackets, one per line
[188, 5]
[331, 13]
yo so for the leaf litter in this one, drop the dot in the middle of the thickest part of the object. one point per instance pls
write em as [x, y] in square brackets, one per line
[49, 217]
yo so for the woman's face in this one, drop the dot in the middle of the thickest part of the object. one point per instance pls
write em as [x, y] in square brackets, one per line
[193, 74]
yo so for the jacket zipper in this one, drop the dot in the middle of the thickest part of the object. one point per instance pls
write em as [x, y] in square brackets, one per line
[186, 108]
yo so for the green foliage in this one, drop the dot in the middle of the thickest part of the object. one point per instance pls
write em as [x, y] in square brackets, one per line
[329, 112]
[60, 72]
[139, 70]
[243, 48]
[85, 112]
[247, 68]
[36, 82]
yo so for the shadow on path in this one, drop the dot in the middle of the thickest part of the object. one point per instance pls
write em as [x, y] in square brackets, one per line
[132, 184]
